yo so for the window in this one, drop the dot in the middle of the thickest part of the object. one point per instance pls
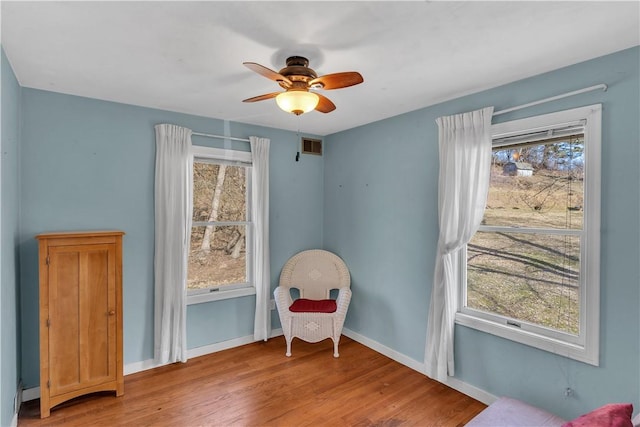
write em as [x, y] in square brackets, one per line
[532, 269]
[220, 246]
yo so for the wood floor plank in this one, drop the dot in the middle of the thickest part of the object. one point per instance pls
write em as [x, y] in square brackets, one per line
[256, 385]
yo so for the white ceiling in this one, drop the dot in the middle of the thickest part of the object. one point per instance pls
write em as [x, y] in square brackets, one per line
[187, 56]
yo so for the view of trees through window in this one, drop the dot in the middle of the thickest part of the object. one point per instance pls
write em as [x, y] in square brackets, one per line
[217, 253]
[524, 263]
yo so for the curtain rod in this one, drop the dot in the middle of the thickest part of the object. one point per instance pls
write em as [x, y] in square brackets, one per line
[208, 135]
[553, 98]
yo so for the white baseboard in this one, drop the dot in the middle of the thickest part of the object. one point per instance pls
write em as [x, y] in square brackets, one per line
[17, 402]
[454, 383]
[225, 345]
[472, 391]
[30, 394]
[214, 348]
[131, 368]
[144, 365]
[383, 349]
[19, 396]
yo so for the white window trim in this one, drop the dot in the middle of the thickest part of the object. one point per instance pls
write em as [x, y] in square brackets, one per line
[228, 291]
[586, 346]
[221, 154]
[221, 295]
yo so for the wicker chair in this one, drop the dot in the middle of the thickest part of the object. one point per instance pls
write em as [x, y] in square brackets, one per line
[313, 317]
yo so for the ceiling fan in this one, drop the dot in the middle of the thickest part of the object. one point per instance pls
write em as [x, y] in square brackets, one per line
[297, 79]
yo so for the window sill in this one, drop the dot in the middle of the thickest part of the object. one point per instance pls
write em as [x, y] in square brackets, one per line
[532, 339]
[220, 295]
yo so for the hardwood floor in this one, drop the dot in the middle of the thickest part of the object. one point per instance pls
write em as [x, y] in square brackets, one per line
[256, 385]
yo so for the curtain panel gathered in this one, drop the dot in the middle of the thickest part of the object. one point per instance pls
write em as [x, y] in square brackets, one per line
[260, 217]
[465, 161]
[173, 206]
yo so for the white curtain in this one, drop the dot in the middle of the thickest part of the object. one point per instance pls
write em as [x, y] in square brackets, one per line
[260, 217]
[465, 161]
[173, 206]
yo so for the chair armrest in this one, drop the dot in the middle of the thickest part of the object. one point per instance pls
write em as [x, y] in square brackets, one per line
[283, 299]
[344, 297]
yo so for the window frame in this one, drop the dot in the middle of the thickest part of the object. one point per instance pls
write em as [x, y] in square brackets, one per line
[585, 346]
[240, 158]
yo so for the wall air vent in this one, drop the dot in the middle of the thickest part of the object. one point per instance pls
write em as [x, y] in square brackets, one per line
[312, 146]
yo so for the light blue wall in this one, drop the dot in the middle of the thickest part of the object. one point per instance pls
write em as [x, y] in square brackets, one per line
[89, 164]
[9, 210]
[380, 195]
[381, 217]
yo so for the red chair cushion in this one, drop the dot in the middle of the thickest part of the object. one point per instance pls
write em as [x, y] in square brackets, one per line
[304, 305]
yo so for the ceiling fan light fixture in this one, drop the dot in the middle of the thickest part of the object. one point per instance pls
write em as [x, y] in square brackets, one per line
[297, 101]
[296, 79]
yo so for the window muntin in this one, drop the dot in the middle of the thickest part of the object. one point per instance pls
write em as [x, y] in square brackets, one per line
[220, 245]
[531, 273]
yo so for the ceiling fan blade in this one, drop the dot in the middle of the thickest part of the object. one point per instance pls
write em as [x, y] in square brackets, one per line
[262, 97]
[268, 73]
[337, 80]
[325, 105]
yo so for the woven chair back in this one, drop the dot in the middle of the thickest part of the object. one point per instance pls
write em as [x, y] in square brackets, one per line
[315, 273]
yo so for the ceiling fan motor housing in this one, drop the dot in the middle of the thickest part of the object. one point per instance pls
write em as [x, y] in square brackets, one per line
[297, 69]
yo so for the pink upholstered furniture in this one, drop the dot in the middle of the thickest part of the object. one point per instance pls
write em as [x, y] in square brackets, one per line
[507, 412]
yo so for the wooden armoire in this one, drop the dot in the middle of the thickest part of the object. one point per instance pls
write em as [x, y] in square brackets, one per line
[80, 315]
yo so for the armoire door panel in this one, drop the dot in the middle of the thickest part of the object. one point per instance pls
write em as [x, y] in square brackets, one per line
[64, 299]
[97, 328]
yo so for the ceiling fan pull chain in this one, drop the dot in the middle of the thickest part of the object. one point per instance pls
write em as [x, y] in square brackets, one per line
[298, 140]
